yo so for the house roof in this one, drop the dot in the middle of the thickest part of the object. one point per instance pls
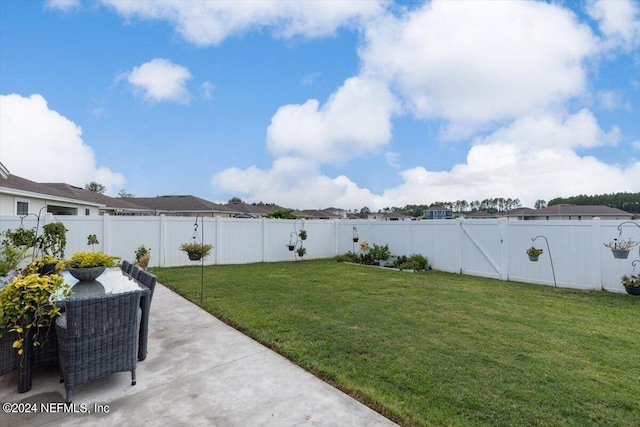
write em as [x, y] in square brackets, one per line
[111, 203]
[518, 212]
[21, 186]
[178, 203]
[252, 210]
[316, 214]
[480, 214]
[567, 209]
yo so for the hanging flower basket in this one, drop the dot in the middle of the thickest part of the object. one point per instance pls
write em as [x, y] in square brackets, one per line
[355, 239]
[620, 253]
[621, 248]
[291, 247]
[631, 283]
[534, 253]
[303, 234]
[194, 256]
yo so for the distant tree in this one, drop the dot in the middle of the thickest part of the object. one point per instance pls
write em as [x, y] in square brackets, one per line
[282, 214]
[540, 204]
[235, 200]
[95, 187]
[124, 194]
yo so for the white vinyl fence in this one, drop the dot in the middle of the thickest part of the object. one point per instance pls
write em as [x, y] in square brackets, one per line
[488, 248]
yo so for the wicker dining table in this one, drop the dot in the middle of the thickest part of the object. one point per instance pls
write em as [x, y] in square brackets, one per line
[112, 281]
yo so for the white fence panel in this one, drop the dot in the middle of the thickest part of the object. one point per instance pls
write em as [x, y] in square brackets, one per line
[439, 241]
[489, 248]
[481, 248]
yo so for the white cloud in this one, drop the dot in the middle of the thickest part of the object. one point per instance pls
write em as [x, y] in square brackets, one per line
[64, 5]
[293, 182]
[355, 120]
[530, 159]
[393, 159]
[473, 63]
[310, 79]
[39, 144]
[206, 90]
[619, 22]
[210, 22]
[160, 80]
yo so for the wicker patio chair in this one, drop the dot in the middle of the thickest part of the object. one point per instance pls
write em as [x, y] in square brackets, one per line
[147, 279]
[98, 336]
[127, 266]
[135, 271]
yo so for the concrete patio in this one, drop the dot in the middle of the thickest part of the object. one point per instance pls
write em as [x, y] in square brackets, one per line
[199, 372]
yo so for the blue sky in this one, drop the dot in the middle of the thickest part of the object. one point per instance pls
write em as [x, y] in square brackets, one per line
[324, 103]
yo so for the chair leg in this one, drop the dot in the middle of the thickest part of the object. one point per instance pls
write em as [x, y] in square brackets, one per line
[133, 377]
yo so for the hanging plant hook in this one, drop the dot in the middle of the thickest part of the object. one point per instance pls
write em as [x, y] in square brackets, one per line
[553, 271]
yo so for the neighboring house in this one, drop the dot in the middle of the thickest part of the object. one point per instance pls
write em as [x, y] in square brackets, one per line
[578, 212]
[438, 213]
[341, 213]
[245, 210]
[518, 214]
[316, 214]
[480, 215]
[20, 196]
[112, 205]
[182, 205]
[389, 216]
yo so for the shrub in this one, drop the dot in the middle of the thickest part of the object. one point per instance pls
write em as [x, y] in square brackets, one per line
[348, 257]
[414, 262]
[379, 252]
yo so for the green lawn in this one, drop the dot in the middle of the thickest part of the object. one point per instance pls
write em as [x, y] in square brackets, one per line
[437, 348]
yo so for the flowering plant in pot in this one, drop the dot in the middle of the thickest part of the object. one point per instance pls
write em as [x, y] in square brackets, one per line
[88, 266]
[631, 283]
[620, 248]
[27, 303]
[196, 251]
[45, 265]
[534, 253]
[143, 255]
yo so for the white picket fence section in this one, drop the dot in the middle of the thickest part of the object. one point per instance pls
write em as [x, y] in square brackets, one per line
[487, 248]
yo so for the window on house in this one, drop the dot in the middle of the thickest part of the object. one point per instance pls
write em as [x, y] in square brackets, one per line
[22, 208]
[87, 211]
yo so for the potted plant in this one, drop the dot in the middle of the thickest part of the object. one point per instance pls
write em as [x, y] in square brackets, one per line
[143, 255]
[355, 239]
[621, 248]
[10, 258]
[53, 239]
[631, 283]
[21, 238]
[45, 265]
[26, 306]
[301, 251]
[196, 251]
[534, 253]
[303, 234]
[92, 240]
[88, 266]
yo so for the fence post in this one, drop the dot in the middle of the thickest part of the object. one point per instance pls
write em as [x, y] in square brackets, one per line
[162, 241]
[264, 239]
[218, 238]
[596, 251]
[106, 233]
[460, 241]
[504, 249]
[336, 236]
